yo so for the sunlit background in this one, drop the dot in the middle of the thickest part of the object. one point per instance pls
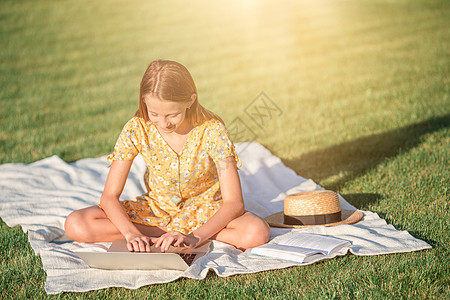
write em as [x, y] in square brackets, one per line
[337, 70]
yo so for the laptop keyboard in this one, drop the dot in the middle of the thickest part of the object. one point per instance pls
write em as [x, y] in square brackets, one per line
[188, 257]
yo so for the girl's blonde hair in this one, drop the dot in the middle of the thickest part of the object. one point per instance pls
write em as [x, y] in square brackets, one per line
[171, 81]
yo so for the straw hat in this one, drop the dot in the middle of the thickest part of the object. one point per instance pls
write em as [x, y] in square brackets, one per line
[313, 208]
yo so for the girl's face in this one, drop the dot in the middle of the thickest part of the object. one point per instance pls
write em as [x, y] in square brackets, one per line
[168, 116]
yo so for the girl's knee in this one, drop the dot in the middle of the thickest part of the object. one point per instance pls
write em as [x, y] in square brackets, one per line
[79, 224]
[257, 232]
[74, 226]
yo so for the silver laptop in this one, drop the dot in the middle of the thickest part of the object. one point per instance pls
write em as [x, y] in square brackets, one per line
[119, 258]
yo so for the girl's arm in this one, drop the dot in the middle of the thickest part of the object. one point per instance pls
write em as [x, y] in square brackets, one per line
[232, 207]
[110, 203]
[233, 203]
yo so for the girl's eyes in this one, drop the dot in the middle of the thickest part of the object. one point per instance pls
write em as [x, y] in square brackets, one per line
[169, 116]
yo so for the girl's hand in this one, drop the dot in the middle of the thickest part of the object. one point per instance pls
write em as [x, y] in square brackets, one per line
[138, 243]
[176, 239]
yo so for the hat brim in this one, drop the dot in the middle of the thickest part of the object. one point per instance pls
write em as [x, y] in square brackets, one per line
[348, 217]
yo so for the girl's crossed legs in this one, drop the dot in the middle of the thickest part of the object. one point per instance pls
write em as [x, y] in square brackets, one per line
[90, 225]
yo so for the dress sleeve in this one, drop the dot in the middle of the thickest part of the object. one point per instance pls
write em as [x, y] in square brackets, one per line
[219, 144]
[128, 144]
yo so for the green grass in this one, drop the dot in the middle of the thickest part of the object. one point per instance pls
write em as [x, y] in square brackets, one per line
[363, 87]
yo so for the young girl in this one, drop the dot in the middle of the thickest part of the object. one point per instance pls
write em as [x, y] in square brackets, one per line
[193, 188]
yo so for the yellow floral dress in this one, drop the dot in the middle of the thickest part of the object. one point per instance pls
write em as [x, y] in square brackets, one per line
[182, 189]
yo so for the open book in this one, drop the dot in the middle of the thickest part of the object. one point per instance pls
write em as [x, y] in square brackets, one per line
[303, 247]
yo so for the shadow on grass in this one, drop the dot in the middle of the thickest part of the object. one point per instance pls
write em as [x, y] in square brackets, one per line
[357, 157]
[362, 200]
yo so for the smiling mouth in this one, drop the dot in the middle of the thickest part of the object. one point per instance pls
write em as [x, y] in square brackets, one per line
[168, 129]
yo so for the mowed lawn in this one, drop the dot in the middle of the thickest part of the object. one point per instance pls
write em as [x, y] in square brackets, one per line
[361, 88]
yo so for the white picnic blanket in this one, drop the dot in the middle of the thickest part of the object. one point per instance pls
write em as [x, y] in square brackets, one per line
[40, 195]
